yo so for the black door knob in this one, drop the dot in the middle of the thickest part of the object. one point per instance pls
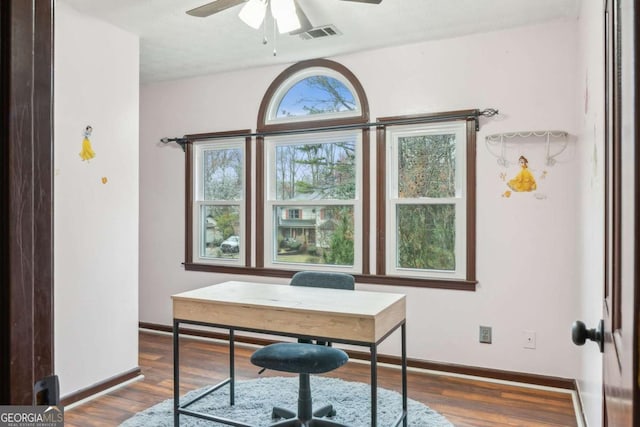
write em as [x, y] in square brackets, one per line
[580, 334]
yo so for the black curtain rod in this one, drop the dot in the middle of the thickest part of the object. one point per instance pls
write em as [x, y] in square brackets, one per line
[475, 115]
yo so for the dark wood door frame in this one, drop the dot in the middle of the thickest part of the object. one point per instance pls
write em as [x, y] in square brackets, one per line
[26, 191]
[621, 305]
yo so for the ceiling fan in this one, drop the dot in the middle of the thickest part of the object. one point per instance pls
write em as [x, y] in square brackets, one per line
[288, 13]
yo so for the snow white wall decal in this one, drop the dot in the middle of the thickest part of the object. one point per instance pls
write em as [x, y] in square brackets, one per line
[87, 152]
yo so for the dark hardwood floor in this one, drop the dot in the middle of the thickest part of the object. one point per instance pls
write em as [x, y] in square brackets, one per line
[465, 402]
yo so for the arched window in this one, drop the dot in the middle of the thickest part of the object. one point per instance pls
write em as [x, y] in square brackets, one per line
[312, 200]
[311, 183]
[315, 93]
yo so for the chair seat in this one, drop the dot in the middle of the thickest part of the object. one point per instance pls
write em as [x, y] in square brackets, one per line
[299, 358]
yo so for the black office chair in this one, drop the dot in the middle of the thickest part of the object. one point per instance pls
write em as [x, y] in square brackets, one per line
[322, 279]
[303, 359]
[317, 279]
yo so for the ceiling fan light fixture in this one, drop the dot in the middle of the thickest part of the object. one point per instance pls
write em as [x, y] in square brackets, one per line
[284, 12]
[288, 24]
[253, 13]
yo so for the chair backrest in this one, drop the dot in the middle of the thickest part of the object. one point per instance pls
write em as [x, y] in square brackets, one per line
[321, 279]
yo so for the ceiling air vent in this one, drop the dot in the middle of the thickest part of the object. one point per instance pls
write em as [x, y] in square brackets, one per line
[319, 32]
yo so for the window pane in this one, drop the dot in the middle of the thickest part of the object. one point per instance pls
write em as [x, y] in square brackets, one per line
[221, 229]
[314, 235]
[222, 174]
[316, 95]
[316, 171]
[426, 237]
[427, 166]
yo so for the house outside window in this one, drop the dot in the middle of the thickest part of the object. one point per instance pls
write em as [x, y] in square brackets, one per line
[294, 214]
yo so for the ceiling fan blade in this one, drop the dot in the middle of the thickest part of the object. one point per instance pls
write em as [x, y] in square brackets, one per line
[366, 1]
[213, 7]
[305, 24]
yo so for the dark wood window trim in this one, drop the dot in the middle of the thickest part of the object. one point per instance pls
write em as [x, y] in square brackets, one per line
[377, 277]
[190, 196]
[372, 279]
[307, 124]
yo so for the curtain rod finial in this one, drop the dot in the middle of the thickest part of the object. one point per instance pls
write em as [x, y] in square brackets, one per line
[180, 141]
[489, 112]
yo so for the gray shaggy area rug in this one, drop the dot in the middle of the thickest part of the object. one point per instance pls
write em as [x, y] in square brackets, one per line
[255, 398]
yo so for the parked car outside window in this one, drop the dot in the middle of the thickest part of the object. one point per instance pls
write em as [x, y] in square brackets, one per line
[231, 245]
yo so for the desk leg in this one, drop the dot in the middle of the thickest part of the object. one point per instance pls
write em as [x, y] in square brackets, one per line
[374, 385]
[404, 374]
[232, 371]
[176, 373]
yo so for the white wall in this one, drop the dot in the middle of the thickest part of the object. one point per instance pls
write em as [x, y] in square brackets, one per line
[527, 252]
[96, 225]
[591, 239]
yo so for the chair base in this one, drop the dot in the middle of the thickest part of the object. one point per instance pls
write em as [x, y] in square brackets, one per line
[305, 417]
[325, 411]
[313, 422]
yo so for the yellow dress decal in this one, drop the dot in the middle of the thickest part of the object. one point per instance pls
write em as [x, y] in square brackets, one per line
[524, 180]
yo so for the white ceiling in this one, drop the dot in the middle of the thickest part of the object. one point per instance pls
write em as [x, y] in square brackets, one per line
[175, 45]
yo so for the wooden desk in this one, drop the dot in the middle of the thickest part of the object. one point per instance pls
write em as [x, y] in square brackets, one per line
[341, 316]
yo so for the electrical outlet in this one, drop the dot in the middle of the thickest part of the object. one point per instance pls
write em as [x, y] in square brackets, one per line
[529, 339]
[485, 334]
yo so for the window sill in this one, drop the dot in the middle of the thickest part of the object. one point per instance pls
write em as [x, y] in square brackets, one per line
[458, 285]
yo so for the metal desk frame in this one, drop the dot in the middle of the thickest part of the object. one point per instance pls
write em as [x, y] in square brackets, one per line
[182, 408]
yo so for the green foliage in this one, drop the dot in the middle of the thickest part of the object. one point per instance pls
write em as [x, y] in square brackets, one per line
[426, 237]
[226, 222]
[427, 166]
[304, 187]
[289, 244]
[341, 247]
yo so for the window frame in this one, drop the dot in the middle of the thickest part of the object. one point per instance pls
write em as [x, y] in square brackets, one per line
[290, 77]
[394, 201]
[271, 202]
[193, 261]
[469, 281]
[372, 272]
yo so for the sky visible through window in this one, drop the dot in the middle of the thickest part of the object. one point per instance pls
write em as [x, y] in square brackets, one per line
[316, 95]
